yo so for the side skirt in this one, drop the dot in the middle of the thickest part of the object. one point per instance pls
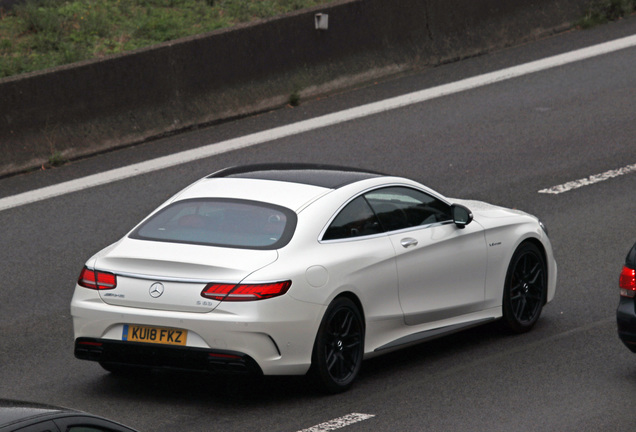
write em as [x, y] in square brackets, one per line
[431, 334]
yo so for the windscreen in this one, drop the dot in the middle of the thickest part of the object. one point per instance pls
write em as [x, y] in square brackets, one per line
[220, 222]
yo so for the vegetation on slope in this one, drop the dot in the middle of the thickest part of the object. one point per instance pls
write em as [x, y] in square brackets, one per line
[40, 34]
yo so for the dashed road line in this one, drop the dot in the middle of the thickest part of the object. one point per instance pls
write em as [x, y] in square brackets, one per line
[596, 178]
[339, 423]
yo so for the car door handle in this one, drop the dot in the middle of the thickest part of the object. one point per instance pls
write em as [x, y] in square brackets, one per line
[408, 242]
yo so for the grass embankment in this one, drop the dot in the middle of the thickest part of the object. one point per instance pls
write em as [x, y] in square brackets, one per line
[40, 34]
[603, 11]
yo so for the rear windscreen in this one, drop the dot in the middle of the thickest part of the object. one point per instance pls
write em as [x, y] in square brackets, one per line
[220, 222]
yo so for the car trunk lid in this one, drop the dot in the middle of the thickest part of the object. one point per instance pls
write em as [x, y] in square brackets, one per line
[171, 276]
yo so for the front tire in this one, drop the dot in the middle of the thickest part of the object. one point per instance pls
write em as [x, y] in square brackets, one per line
[525, 289]
[339, 347]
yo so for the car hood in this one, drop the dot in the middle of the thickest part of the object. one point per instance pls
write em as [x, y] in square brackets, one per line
[182, 270]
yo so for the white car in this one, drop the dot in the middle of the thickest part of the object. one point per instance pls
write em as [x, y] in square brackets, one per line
[294, 269]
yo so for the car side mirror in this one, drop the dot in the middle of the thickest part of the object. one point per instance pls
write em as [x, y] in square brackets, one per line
[462, 216]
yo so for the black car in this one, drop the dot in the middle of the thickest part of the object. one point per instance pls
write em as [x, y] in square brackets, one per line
[626, 313]
[18, 416]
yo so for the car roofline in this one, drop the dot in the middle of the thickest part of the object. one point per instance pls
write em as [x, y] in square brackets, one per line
[322, 175]
[283, 166]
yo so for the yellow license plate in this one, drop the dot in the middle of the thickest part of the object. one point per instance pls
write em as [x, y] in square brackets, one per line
[157, 335]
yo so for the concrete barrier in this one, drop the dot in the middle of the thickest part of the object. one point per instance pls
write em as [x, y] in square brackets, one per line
[92, 106]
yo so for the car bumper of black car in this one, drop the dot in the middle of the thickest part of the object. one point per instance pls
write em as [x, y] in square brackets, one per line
[626, 320]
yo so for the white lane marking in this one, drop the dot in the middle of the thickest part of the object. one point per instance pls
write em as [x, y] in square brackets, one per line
[596, 178]
[312, 124]
[339, 423]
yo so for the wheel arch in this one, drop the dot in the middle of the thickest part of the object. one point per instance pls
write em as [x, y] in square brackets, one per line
[320, 369]
[544, 255]
[356, 301]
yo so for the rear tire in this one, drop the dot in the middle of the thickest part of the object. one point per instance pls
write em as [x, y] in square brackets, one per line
[525, 289]
[339, 347]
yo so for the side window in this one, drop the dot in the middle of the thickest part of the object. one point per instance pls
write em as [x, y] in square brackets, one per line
[356, 219]
[401, 207]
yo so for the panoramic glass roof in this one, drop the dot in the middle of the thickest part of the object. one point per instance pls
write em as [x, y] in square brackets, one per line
[326, 176]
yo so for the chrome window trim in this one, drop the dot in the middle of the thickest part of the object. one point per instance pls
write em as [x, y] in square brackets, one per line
[388, 233]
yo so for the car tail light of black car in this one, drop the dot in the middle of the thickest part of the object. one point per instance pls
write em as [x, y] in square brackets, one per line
[626, 312]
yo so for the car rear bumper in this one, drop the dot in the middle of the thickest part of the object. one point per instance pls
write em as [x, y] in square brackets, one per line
[109, 352]
[252, 333]
[626, 321]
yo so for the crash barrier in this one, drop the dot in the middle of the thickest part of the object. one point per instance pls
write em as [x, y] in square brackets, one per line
[96, 105]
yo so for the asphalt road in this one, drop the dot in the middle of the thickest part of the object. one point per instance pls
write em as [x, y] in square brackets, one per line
[500, 143]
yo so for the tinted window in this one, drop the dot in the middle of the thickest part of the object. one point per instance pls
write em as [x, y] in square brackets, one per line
[221, 222]
[356, 219]
[401, 207]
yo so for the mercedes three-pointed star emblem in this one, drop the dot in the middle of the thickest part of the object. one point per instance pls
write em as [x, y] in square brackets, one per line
[156, 289]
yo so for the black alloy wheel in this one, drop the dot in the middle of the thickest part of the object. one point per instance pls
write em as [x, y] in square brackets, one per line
[525, 288]
[339, 347]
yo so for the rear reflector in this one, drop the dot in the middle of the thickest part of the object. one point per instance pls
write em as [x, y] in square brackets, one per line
[244, 292]
[627, 282]
[89, 343]
[224, 356]
[97, 280]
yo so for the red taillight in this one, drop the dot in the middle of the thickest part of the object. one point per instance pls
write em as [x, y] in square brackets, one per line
[244, 292]
[97, 280]
[627, 282]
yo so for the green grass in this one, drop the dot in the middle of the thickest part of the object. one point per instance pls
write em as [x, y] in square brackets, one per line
[40, 34]
[46, 33]
[603, 11]
[56, 159]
